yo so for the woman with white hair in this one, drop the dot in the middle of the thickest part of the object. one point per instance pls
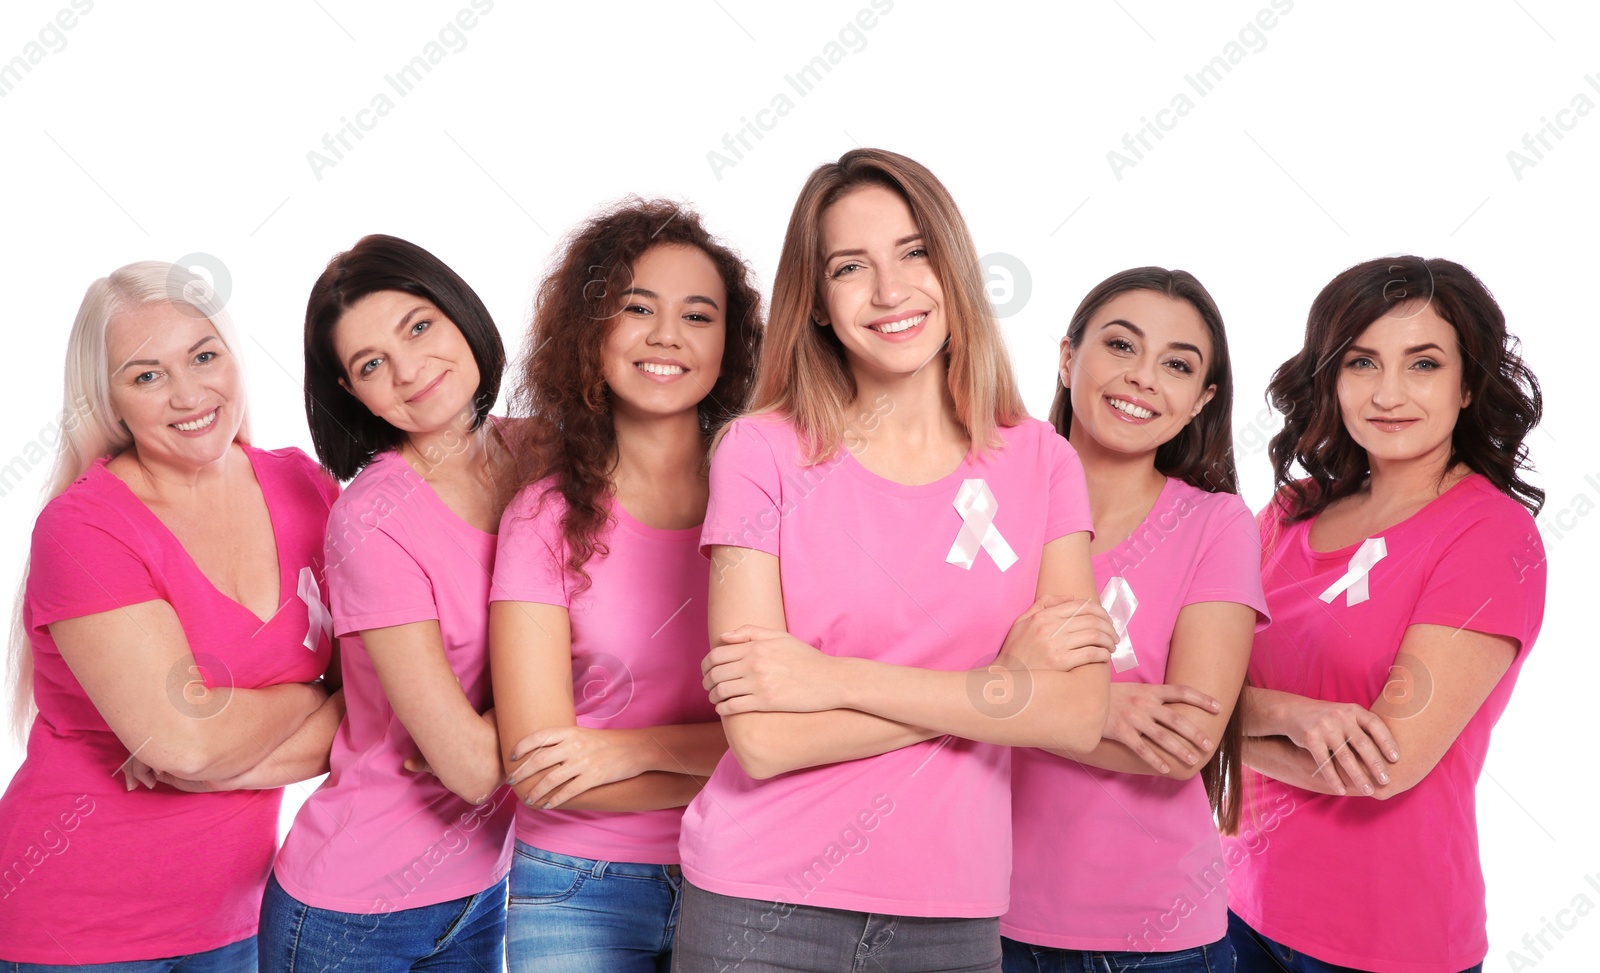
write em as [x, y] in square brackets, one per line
[172, 635]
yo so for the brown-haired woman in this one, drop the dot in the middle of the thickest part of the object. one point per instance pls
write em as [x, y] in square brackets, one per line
[1116, 857]
[644, 341]
[860, 594]
[1406, 581]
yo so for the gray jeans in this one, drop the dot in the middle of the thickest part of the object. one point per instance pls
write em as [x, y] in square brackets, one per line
[719, 934]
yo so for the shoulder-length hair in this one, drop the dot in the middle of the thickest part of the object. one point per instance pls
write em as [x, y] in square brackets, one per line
[1489, 434]
[804, 375]
[89, 429]
[561, 381]
[1201, 454]
[346, 435]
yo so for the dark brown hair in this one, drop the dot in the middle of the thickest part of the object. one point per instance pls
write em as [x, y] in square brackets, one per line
[561, 383]
[345, 433]
[1489, 434]
[1201, 455]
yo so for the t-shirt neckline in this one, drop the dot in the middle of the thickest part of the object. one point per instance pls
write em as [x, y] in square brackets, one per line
[1405, 525]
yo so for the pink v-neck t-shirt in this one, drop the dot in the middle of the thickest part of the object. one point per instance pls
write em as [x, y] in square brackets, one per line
[1392, 886]
[91, 872]
[1111, 861]
[869, 568]
[376, 838]
[638, 635]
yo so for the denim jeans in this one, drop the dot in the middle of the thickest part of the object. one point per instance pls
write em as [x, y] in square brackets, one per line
[1023, 958]
[1258, 954]
[720, 934]
[465, 935]
[239, 957]
[583, 915]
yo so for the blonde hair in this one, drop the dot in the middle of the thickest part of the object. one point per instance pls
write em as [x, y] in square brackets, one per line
[88, 429]
[804, 375]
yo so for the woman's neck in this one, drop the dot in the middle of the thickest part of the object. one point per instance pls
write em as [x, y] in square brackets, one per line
[658, 450]
[450, 451]
[911, 412]
[1123, 487]
[1411, 484]
[154, 480]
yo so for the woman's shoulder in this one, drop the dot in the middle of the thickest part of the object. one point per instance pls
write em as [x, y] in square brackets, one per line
[541, 499]
[755, 431]
[294, 464]
[385, 481]
[96, 497]
[1220, 505]
[1476, 500]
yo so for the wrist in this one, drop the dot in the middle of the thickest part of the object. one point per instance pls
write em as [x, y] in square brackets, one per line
[851, 680]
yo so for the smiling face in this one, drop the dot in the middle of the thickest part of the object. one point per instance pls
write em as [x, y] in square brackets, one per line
[174, 384]
[662, 352]
[1137, 376]
[1401, 387]
[879, 290]
[406, 362]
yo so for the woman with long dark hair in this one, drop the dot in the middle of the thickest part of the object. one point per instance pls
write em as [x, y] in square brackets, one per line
[644, 341]
[1115, 853]
[1406, 581]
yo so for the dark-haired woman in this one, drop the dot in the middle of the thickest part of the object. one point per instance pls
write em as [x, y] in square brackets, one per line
[1406, 581]
[1115, 853]
[386, 869]
[644, 341]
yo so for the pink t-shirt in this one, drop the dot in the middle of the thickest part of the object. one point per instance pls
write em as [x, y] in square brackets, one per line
[1111, 861]
[376, 838]
[89, 871]
[1392, 886]
[920, 831]
[638, 634]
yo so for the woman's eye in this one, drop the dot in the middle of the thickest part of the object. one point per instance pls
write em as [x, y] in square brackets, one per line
[844, 269]
[204, 356]
[419, 327]
[1119, 344]
[1425, 364]
[1362, 362]
[1179, 365]
[368, 368]
[636, 309]
[144, 378]
[698, 318]
[918, 252]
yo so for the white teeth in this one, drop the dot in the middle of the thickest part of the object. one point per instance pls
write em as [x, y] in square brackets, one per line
[895, 327]
[198, 424]
[658, 369]
[1131, 409]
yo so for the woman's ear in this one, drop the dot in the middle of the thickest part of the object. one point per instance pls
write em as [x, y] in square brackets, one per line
[1064, 371]
[1200, 403]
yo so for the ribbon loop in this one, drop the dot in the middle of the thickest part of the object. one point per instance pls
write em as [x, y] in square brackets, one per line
[1119, 601]
[1354, 579]
[321, 622]
[977, 506]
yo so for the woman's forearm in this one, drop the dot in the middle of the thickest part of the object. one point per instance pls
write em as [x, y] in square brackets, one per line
[301, 757]
[650, 791]
[684, 748]
[1277, 757]
[768, 744]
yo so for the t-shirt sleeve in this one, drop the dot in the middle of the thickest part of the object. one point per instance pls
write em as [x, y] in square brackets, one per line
[746, 491]
[530, 555]
[374, 580]
[1229, 564]
[326, 485]
[1068, 503]
[1489, 577]
[81, 563]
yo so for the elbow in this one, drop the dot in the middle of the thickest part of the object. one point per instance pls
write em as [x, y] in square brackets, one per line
[472, 788]
[758, 755]
[1085, 725]
[1188, 771]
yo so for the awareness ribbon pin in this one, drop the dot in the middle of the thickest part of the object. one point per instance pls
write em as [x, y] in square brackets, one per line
[1371, 551]
[1118, 600]
[976, 504]
[316, 611]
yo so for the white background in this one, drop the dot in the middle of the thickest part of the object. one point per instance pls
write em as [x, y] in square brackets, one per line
[1345, 131]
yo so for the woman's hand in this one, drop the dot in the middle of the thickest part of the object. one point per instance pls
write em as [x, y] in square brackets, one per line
[768, 670]
[1140, 720]
[573, 759]
[136, 772]
[1062, 634]
[1343, 738]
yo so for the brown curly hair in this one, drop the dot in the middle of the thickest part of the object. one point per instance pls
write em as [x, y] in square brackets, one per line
[561, 385]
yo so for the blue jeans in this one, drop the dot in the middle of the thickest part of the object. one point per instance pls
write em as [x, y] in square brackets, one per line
[1258, 954]
[465, 935]
[1023, 958]
[581, 915]
[239, 957]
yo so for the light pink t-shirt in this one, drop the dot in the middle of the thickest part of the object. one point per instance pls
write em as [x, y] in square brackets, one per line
[638, 634]
[376, 838]
[1393, 886]
[920, 831]
[89, 871]
[1111, 861]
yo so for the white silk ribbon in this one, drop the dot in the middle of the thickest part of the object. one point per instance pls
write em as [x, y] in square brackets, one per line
[316, 611]
[1118, 600]
[1354, 580]
[976, 504]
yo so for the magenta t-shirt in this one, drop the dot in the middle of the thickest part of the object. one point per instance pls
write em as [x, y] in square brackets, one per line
[1111, 861]
[865, 569]
[638, 635]
[376, 838]
[91, 872]
[1392, 886]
